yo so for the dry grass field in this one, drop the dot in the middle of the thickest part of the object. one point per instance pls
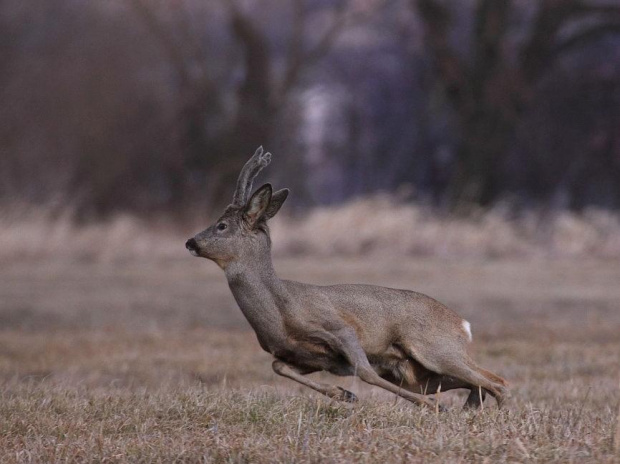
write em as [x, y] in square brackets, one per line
[151, 361]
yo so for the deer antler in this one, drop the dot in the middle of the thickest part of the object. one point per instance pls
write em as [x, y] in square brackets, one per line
[249, 171]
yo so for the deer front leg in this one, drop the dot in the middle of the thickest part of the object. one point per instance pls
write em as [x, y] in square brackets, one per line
[367, 374]
[351, 348]
[334, 392]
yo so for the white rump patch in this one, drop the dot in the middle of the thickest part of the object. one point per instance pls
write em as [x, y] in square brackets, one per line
[467, 329]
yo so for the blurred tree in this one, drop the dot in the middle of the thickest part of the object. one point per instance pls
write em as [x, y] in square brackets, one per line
[259, 96]
[489, 89]
[152, 106]
[79, 121]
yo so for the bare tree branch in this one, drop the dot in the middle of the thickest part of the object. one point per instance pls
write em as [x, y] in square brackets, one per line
[452, 71]
[256, 89]
[582, 38]
[490, 29]
[345, 18]
[300, 59]
[197, 90]
[163, 35]
[553, 15]
[191, 40]
[295, 52]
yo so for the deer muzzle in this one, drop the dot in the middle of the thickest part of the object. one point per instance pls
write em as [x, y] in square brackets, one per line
[192, 246]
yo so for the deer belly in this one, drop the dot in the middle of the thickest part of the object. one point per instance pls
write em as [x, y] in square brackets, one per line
[315, 357]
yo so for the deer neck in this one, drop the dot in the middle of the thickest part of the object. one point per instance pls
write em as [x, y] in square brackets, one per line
[261, 296]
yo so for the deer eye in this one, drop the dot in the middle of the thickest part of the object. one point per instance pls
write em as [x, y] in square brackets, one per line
[222, 226]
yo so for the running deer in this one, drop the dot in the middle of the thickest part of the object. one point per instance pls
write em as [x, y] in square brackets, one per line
[399, 340]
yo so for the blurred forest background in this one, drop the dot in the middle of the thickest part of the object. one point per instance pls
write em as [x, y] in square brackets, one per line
[151, 106]
[469, 149]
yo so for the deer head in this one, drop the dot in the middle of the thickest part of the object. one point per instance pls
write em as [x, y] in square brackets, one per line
[241, 233]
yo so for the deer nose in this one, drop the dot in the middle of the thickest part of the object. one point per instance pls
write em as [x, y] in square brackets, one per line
[191, 245]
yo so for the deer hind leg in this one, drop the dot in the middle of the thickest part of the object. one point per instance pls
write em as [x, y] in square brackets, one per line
[478, 378]
[437, 382]
[475, 399]
[428, 383]
[334, 392]
[464, 372]
[413, 376]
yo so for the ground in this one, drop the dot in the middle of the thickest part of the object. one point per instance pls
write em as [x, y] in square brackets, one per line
[152, 361]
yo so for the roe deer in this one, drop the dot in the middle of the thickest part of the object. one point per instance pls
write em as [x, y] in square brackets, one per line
[400, 340]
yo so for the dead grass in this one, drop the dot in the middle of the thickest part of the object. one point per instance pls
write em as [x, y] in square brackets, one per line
[150, 361]
[210, 395]
[193, 423]
[378, 225]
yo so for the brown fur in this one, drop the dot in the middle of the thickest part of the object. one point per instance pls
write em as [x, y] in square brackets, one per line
[399, 340]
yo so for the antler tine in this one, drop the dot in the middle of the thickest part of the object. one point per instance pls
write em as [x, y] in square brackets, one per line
[249, 171]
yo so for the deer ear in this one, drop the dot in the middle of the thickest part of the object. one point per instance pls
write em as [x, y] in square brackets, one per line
[277, 200]
[257, 205]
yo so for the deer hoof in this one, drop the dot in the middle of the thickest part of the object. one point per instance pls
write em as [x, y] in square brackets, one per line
[436, 405]
[346, 396]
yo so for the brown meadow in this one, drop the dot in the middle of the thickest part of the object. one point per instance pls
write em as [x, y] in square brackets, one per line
[146, 358]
